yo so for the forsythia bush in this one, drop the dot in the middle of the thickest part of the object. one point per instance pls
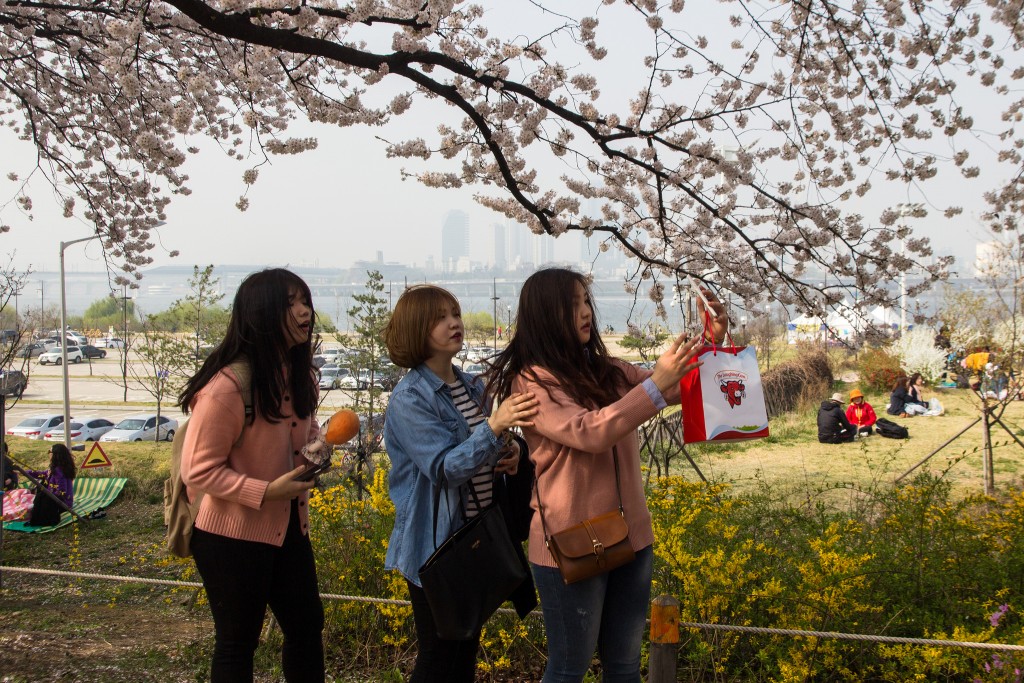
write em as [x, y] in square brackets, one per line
[908, 561]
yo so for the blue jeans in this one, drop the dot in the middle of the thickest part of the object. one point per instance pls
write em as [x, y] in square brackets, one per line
[607, 612]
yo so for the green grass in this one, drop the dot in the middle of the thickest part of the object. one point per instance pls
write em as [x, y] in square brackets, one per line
[133, 632]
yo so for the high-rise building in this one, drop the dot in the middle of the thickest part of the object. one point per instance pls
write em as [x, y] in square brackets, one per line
[501, 260]
[454, 240]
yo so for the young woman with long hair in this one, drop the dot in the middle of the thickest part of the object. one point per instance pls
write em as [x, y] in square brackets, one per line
[440, 433]
[59, 478]
[250, 542]
[590, 407]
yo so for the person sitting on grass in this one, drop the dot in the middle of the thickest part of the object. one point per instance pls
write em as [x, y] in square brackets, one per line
[833, 427]
[860, 413]
[901, 403]
[58, 479]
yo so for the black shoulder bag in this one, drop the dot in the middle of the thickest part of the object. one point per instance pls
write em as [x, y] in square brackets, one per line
[469, 575]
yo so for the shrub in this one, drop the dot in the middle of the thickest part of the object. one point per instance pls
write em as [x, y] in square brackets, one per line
[917, 352]
[798, 382]
[879, 370]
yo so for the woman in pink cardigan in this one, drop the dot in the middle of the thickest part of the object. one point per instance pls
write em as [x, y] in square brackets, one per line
[251, 537]
[589, 411]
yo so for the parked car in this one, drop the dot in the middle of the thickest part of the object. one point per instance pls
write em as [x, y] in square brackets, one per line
[55, 356]
[12, 383]
[8, 336]
[330, 377]
[35, 427]
[142, 428]
[480, 353]
[111, 343]
[87, 429]
[474, 368]
[319, 361]
[351, 381]
[90, 351]
[31, 350]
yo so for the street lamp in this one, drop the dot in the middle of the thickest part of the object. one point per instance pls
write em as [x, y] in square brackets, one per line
[743, 325]
[64, 339]
[508, 328]
[494, 298]
[904, 211]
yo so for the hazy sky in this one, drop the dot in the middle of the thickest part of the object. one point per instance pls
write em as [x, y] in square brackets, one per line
[341, 203]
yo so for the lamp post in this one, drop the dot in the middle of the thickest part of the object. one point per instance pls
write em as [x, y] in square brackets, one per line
[768, 342]
[904, 211]
[494, 299]
[508, 327]
[64, 339]
[124, 339]
[743, 325]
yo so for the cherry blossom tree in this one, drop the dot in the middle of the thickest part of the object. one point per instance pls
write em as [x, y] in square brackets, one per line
[752, 144]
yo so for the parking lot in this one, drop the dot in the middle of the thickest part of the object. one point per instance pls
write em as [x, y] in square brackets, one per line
[96, 390]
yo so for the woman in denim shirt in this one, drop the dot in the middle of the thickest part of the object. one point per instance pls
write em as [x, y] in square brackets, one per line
[429, 441]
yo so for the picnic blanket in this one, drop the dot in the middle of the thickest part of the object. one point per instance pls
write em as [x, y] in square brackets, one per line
[91, 494]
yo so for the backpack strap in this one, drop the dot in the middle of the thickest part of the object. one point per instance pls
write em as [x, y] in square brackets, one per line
[243, 375]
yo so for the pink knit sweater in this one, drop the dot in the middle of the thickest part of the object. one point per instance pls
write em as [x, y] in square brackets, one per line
[571, 447]
[234, 479]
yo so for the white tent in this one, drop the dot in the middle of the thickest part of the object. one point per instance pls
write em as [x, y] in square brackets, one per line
[885, 317]
[841, 327]
[803, 328]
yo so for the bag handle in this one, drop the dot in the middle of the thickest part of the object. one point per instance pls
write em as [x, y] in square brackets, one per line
[618, 490]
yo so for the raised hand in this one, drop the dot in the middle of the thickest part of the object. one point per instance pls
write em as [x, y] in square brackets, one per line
[676, 362]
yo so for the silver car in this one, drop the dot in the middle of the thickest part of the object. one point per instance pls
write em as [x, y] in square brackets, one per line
[142, 428]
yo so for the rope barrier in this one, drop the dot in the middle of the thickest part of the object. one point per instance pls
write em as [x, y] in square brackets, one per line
[833, 635]
[850, 636]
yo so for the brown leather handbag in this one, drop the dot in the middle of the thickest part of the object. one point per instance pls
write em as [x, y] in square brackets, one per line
[594, 546]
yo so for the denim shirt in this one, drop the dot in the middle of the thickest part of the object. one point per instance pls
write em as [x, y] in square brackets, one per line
[429, 441]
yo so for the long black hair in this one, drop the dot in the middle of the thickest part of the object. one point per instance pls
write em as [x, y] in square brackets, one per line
[60, 457]
[260, 315]
[546, 336]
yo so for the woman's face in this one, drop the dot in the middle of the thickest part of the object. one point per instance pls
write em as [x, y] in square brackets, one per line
[299, 322]
[583, 314]
[919, 382]
[857, 401]
[446, 335]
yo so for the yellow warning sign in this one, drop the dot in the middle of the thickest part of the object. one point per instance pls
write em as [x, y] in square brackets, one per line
[96, 457]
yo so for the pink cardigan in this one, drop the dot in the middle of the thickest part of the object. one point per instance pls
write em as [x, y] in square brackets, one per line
[234, 479]
[571, 448]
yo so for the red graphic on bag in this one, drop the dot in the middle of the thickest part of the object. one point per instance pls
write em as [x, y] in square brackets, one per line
[734, 385]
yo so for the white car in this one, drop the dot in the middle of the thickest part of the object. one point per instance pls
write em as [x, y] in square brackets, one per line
[55, 356]
[142, 428]
[330, 377]
[35, 427]
[474, 369]
[480, 353]
[86, 429]
[110, 343]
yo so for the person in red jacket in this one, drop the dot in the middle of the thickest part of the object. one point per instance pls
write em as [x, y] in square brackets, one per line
[860, 413]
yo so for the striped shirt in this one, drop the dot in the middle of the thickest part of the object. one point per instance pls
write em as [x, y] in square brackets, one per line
[481, 483]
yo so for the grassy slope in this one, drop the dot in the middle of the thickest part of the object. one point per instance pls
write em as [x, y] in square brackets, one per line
[89, 630]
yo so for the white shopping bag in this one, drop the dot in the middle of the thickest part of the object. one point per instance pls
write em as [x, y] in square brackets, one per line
[723, 399]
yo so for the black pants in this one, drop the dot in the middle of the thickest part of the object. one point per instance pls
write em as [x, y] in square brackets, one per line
[845, 437]
[241, 579]
[45, 511]
[437, 660]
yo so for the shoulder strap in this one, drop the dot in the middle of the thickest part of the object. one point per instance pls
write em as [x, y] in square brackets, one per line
[618, 490]
[243, 373]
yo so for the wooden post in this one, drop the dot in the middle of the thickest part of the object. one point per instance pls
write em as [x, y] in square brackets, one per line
[986, 449]
[664, 639]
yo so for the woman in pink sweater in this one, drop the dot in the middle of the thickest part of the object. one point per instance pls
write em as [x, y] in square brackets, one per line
[590, 408]
[250, 542]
